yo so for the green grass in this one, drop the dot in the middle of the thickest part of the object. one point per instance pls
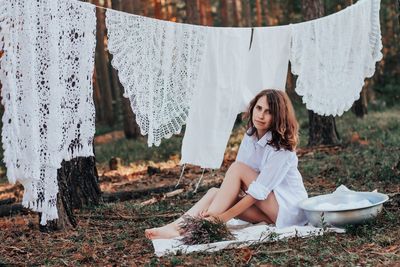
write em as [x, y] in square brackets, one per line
[130, 150]
[374, 165]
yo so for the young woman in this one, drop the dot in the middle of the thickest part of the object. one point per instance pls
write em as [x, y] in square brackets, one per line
[263, 184]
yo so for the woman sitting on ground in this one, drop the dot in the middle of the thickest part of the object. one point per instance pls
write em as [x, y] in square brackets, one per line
[263, 184]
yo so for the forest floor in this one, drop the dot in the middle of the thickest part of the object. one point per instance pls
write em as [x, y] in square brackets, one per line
[112, 234]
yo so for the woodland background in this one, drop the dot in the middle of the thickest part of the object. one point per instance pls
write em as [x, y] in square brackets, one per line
[106, 202]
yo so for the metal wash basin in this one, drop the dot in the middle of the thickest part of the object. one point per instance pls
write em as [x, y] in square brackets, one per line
[340, 217]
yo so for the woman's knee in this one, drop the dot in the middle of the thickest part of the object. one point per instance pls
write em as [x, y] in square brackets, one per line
[212, 190]
[236, 168]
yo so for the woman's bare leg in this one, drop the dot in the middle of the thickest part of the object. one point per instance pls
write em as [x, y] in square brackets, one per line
[254, 215]
[216, 201]
[269, 206]
[237, 176]
[172, 230]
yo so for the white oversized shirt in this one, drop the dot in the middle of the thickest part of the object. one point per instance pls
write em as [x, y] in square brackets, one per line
[278, 173]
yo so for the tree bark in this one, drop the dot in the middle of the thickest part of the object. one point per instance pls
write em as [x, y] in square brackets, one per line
[131, 129]
[192, 12]
[208, 15]
[157, 9]
[224, 12]
[322, 129]
[247, 13]
[97, 98]
[78, 187]
[259, 13]
[237, 13]
[266, 12]
[102, 70]
[398, 10]
[360, 106]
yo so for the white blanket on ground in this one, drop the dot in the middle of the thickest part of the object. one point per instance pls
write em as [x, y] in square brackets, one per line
[333, 55]
[247, 234]
[46, 73]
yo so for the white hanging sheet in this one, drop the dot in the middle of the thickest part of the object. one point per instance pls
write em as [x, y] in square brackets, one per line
[333, 55]
[236, 66]
[46, 73]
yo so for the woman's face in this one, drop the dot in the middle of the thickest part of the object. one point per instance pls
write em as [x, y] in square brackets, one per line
[261, 116]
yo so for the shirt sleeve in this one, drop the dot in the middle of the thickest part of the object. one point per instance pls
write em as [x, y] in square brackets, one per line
[272, 174]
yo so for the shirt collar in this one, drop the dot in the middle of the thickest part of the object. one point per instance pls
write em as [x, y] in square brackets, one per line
[263, 141]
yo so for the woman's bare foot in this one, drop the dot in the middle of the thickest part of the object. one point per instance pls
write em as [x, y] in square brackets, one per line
[166, 232]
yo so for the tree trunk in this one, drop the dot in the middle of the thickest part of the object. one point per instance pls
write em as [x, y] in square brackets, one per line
[266, 12]
[398, 10]
[360, 106]
[224, 12]
[131, 129]
[322, 129]
[237, 13]
[144, 8]
[192, 12]
[247, 13]
[78, 187]
[209, 17]
[102, 70]
[97, 98]
[157, 9]
[259, 13]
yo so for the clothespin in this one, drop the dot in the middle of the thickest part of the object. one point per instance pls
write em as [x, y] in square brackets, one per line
[180, 178]
[251, 38]
[199, 182]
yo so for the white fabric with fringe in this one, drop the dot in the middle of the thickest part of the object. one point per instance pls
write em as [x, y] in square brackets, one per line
[246, 234]
[46, 73]
[333, 55]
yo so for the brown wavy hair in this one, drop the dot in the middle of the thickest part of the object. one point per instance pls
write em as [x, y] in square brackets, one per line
[284, 126]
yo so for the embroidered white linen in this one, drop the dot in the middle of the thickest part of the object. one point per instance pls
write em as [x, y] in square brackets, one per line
[277, 172]
[46, 73]
[236, 66]
[158, 65]
[333, 55]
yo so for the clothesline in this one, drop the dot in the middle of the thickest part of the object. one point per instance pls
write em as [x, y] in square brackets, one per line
[127, 13]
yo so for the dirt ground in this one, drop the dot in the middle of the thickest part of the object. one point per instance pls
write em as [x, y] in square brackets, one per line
[112, 234]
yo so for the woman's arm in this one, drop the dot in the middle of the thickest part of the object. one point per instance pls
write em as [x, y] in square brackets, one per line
[238, 208]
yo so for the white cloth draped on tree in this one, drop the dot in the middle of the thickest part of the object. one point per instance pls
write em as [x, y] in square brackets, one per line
[46, 73]
[333, 55]
[158, 65]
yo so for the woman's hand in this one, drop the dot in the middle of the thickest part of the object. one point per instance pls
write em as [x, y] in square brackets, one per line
[204, 214]
[211, 217]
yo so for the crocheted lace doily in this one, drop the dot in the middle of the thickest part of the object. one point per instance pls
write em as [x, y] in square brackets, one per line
[158, 64]
[333, 55]
[46, 73]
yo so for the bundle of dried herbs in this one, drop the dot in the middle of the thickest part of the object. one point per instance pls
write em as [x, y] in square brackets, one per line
[198, 230]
